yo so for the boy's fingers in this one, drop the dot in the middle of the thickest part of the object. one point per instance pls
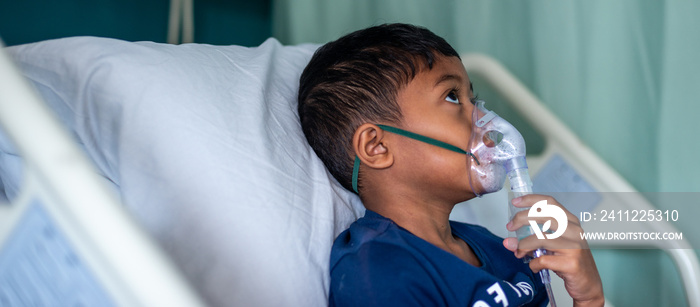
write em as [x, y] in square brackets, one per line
[531, 243]
[571, 262]
[545, 224]
[521, 219]
[554, 263]
[527, 201]
[531, 199]
[511, 244]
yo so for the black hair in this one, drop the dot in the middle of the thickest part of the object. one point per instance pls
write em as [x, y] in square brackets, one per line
[355, 80]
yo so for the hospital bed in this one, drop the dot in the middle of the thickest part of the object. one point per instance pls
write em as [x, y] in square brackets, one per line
[197, 157]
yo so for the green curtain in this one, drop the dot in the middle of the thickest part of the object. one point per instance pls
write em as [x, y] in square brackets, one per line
[621, 74]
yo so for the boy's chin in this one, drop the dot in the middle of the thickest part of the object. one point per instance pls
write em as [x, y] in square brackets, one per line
[480, 190]
[470, 195]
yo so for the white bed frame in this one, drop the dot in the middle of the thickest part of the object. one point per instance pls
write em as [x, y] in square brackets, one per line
[560, 140]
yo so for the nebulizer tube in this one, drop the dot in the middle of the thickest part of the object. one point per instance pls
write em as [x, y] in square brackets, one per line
[520, 184]
[498, 151]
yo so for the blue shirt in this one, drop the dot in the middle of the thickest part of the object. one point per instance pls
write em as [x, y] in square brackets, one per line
[377, 263]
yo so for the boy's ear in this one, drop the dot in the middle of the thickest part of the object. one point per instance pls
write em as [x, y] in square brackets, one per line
[369, 145]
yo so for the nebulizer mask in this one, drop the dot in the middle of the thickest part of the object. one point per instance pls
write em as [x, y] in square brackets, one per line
[497, 149]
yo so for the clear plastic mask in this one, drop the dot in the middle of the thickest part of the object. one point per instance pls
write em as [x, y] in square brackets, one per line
[496, 148]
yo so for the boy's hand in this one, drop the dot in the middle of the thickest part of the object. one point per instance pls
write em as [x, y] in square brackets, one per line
[568, 255]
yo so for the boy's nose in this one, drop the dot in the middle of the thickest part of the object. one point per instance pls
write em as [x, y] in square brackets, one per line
[467, 113]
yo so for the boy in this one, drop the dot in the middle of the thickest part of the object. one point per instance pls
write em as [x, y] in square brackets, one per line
[405, 251]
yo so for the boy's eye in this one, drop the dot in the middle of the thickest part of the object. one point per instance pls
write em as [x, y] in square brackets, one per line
[452, 97]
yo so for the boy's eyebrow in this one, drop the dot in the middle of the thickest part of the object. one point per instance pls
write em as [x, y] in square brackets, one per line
[448, 77]
[458, 78]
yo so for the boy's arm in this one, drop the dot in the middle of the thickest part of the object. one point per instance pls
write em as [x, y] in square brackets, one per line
[568, 255]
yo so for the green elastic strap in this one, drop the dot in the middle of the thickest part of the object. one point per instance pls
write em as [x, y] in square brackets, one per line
[355, 174]
[424, 139]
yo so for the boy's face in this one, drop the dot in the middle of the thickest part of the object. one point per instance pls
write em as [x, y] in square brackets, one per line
[437, 104]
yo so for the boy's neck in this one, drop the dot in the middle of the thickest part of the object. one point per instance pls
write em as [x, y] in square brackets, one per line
[425, 219]
[428, 221]
[419, 210]
[414, 209]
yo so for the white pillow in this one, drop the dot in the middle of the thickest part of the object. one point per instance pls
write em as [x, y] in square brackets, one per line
[204, 145]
